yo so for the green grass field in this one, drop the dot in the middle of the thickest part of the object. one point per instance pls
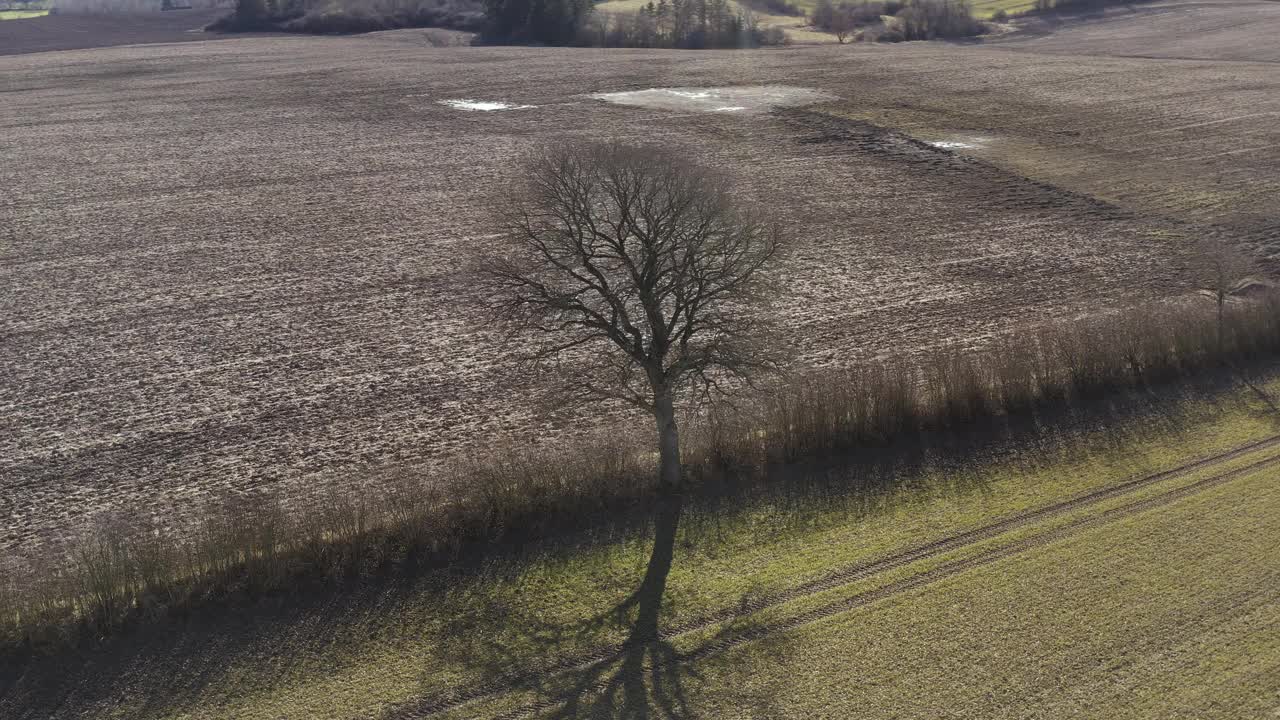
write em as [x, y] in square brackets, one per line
[1059, 610]
[986, 8]
[1170, 613]
[21, 14]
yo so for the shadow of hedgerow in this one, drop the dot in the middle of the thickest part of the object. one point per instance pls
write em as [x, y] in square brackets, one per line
[458, 630]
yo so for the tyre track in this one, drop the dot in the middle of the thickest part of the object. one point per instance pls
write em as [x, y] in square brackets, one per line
[862, 571]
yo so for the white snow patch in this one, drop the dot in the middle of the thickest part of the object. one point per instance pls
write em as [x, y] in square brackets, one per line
[482, 105]
[740, 99]
[963, 143]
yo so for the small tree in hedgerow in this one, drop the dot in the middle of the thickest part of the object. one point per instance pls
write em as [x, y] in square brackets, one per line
[638, 270]
[1221, 272]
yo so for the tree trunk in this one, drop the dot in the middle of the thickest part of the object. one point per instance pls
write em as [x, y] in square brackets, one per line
[667, 519]
[668, 440]
[654, 586]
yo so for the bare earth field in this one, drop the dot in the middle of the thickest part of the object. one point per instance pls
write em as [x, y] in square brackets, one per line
[76, 32]
[237, 265]
[1205, 30]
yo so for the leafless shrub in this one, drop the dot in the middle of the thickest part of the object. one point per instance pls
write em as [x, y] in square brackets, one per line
[932, 19]
[156, 558]
[1013, 372]
[957, 386]
[11, 606]
[1222, 273]
[104, 583]
[344, 17]
[256, 544]
[843, 18]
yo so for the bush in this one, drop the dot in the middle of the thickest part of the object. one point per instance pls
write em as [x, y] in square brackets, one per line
[689, 24]
[1000, 16]
[550, 22]
[325, 17]
[847, 17]
[934, 19]
[676, 24]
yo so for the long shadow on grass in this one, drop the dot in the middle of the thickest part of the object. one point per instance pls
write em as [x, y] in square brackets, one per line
[647, 682]
[243, 645]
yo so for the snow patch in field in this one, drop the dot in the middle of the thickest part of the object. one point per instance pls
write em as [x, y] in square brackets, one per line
[482, 105]
[969, 143]
[740, 99]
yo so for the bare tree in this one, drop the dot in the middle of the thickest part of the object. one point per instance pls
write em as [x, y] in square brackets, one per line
[638, 267]
[1221, 272]
[843, 22]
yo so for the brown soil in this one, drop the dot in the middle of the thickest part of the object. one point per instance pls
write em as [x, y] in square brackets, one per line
[1239, 30]
[238, 265]
[77, 32]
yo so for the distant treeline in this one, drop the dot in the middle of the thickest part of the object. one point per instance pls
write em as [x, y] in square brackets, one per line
[324, 17]
[664, 24]
[908, 19]
[675, 23]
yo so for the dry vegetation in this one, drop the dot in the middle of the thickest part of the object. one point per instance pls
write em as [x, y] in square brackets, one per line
[129, 566]
[215, 242]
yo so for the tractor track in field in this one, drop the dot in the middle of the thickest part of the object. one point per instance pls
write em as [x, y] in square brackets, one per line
[862, 571]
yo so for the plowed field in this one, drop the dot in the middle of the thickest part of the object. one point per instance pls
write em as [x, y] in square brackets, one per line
[76, 32]
[236, 265]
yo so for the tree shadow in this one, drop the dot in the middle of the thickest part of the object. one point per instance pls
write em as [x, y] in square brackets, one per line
[620, 690]
[639, 678]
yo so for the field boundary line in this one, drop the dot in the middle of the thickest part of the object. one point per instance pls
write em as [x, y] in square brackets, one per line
[849, 575]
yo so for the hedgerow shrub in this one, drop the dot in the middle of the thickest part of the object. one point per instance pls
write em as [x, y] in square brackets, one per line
[345, 17]
[122, 568]
[935, 19]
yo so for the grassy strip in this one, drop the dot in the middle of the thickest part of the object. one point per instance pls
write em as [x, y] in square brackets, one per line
[253, 546]
[985, 9]
[694, 644]
[1072, 626]
[449, 633]
[22, 14]
[1075, 626]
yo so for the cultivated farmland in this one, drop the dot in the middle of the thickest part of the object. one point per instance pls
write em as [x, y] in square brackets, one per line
[74, 32]
[238, 266]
